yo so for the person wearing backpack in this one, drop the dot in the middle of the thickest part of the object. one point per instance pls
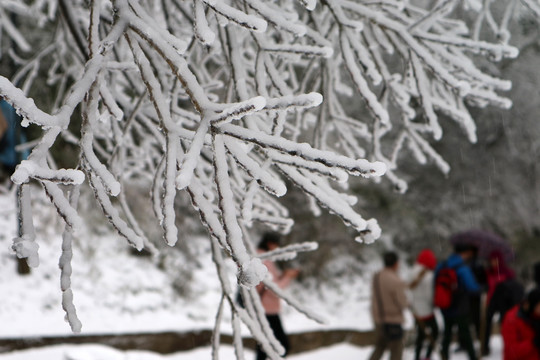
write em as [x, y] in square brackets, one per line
[454, 283]
[421, 288]
[388, 301]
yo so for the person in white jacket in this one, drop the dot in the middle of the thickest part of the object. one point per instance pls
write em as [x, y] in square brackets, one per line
[421, 287]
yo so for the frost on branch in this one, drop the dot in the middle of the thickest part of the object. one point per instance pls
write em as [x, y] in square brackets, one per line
[225, 101]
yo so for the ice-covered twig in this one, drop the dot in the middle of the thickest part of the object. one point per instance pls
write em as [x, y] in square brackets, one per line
[250, 270]
[169, 215]
[290, 102]
[63, 207]
[112, 213]
[237, 337]
[422, 85]
[248, 21]
[148, 246]
[288, 252]
[26, 223]
[207, 214]
[279, 20]
[305, 151]
[202, 30]
[254, 170]
[66, 270]
[216, 334]
[237, 111]
[294, 303]
[187, 167]
[28, 169]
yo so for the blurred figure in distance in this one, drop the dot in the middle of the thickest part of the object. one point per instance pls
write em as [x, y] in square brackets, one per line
[270, 301]
[457, 311]
[504, 292]
[422, 307]
[388, 301]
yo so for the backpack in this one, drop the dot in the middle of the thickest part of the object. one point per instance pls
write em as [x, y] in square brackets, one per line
[446, 284]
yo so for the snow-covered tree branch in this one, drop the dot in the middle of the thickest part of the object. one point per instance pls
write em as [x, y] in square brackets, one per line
[227, 100]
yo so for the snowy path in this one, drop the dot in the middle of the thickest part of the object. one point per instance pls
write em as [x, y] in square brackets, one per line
[97, 352]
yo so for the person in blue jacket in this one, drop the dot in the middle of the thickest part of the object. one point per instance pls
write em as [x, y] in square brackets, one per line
[13, 136]
[458, 314]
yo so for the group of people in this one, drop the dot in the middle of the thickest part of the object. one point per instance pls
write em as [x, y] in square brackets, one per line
[456, 287]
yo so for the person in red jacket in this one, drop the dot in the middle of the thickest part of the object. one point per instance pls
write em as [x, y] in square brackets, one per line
[521, 329]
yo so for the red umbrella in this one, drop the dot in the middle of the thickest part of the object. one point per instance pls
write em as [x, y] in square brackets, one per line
[485, 241]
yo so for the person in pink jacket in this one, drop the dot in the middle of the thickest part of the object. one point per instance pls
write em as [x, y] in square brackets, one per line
[270, 301]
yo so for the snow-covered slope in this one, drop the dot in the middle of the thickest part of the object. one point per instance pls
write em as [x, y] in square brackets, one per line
[114, 291]
[117, 292]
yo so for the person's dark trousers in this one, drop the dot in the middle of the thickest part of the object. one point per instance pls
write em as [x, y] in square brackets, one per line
[464, 335]
[475, 311]
[382, 344]
[275, 324]
[422, 328]
[507, 294]
[489, 328]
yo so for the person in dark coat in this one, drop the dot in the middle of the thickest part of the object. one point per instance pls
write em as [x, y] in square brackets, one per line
[458, 314]
[504, 292]
[536, 270]
[12, 135]
[520, 329]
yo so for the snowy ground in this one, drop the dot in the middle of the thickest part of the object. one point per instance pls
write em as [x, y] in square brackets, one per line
[98, 352]
[118, 293]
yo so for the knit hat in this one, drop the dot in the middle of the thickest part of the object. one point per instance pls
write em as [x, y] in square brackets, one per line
[427, 258]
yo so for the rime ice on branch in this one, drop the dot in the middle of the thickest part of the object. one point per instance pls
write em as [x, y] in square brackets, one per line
[218, 98]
